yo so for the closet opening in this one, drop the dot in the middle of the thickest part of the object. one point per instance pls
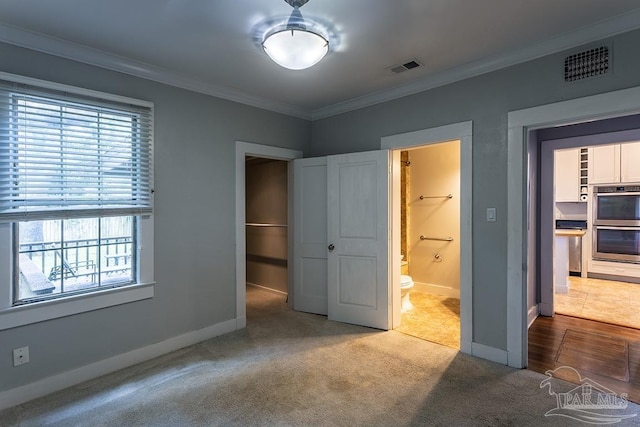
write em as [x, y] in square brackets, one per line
[266, 230]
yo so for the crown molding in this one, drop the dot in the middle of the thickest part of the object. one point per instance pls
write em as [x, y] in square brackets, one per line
[603, 29]
[81, 53]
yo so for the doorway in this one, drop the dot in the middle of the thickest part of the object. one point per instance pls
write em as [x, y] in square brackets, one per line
[580, 312]
[246, 150]
[462, 132]
[521, 237]
[430, 242]
[593, 288]
[266, 216]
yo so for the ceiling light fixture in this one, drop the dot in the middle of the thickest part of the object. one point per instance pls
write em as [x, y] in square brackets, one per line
[294, 46]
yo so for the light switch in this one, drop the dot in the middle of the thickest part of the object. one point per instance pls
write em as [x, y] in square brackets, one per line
[491, 214]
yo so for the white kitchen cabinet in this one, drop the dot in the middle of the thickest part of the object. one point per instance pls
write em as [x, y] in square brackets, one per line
[615, 163]
[630, 162]
[567, 175]
[604, 164]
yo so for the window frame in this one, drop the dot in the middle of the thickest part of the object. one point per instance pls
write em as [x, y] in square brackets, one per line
[11, 315]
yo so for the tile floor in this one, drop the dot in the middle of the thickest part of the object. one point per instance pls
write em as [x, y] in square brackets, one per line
[601, 300]
[433, 318]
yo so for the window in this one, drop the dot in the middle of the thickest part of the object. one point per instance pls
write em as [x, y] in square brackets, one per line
[75, 189]
[68, 256]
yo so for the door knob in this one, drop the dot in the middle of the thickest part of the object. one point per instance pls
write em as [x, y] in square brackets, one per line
[331, 247]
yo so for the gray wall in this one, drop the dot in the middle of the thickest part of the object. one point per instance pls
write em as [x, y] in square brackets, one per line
[194, 210]
[485, 100]
[194, 215]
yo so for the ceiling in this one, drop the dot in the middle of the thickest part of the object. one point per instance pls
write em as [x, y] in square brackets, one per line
[214, 46]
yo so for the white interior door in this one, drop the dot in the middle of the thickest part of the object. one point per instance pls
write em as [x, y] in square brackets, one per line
[358, 238]
[310, 235]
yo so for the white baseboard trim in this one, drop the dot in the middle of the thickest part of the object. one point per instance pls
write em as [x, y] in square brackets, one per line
[266, 288]
[545, 309]
[241, 322]
[437, 289]
[25, 393]
[532, 315]
[561, 289]
[490, 353]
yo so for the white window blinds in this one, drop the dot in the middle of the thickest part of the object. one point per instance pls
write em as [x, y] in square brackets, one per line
[65, 155]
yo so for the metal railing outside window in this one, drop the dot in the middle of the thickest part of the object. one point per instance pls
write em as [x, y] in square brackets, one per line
[51, 268]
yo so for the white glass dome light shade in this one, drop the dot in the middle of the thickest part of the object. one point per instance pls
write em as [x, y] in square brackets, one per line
[295, 49]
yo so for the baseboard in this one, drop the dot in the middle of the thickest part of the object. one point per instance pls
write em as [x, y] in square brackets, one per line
[561, 289]
[545, 309]
[241, 322]
[532, 314]
[437, 289]
[490, 353]
[25, 393]
[266, 288]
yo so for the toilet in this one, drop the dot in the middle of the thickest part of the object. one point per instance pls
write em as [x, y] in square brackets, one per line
[406, 283]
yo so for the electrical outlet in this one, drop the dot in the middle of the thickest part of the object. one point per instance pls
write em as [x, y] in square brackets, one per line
[20, 356]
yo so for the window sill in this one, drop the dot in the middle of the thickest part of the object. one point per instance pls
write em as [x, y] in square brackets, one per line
[67, 306]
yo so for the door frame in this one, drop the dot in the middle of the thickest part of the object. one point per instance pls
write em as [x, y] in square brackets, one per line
[462, 132]
[603, 106]
[244, 149]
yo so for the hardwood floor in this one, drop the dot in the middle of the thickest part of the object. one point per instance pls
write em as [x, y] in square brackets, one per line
[605, 353]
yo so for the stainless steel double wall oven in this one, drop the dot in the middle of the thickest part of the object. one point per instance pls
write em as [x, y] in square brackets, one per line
[616, 226]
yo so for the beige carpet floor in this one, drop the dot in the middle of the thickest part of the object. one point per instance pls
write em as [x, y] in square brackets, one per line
[295, 369]
[433, 318]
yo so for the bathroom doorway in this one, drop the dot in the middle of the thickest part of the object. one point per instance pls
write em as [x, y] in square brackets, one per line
[429, 199]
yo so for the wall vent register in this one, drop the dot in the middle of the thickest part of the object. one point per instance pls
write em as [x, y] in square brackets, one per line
[586, 64]
[409, 65]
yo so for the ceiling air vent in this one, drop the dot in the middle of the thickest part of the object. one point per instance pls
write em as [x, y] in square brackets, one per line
[397, 69]
[589, 63]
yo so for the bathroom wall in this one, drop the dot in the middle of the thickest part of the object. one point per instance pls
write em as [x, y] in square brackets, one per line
[435, 265]
[266, 204]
